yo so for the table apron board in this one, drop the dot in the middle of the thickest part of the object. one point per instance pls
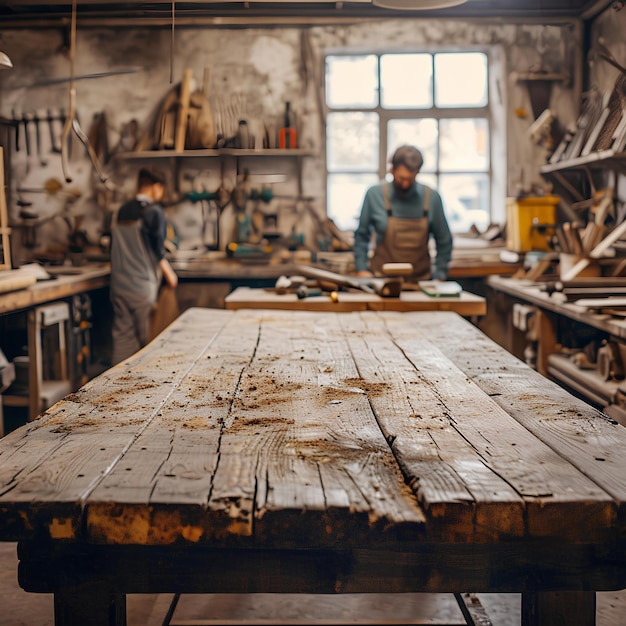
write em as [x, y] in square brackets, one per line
[429, 568]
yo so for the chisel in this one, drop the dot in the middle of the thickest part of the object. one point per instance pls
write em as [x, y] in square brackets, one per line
[42, 161]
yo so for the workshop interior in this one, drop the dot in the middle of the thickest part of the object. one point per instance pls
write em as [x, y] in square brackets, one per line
[270, 120]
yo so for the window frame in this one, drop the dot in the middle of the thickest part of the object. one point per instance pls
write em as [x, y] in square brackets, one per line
[493, 112]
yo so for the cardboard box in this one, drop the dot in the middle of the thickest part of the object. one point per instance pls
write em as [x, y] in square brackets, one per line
[530, 222]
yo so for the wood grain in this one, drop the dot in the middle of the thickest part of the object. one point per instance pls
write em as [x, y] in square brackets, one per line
[306, 430]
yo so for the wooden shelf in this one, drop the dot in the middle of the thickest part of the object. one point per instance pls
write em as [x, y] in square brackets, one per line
[589, 383]
[232, 152]
[599, 160]
[533, 76]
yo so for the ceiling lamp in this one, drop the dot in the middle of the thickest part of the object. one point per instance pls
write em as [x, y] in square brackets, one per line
[5, 62]
[417, 5]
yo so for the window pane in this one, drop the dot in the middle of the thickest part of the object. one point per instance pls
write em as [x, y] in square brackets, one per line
[464, 144]
[406, 81]
[352, 81]
[420, 133]
[352, 142]
[345, 194]
[465, 200]
[428, 179]
[461, 79]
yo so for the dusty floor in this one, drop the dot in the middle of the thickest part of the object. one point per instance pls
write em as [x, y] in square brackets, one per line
[22, 609]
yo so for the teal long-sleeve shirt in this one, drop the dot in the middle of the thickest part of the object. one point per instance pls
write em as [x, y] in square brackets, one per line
[374, 218]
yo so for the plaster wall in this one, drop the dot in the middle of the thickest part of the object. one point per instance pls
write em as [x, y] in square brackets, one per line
[254, 71]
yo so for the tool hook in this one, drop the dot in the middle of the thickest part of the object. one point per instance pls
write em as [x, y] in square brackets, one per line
[71, 122]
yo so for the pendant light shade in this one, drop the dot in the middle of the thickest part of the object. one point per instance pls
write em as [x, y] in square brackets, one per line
[417, 5]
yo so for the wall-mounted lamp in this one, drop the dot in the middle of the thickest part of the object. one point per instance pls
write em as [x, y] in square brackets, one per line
[417, 5]
[5, 62]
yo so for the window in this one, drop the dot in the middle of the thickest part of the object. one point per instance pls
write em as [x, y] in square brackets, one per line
[438, 102]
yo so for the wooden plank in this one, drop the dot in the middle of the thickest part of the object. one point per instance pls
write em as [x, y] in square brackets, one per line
[183, 110]
[69, 450]
[173, 460]
[323, 471]
[453, 484]
[582, 435]
[223, 437]
[479, 443]
[93, 277]
[466, 303]
[597, 252]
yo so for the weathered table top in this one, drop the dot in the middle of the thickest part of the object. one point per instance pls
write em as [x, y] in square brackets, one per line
[465, 303]
[407, 449]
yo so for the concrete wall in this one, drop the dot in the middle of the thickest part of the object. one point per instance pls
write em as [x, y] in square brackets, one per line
[256, 70]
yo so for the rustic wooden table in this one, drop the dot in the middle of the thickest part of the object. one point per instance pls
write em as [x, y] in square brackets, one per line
[283, 451]
[467, 304]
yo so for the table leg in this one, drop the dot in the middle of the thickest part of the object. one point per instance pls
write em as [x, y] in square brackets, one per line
[89, 604]
[559, 608]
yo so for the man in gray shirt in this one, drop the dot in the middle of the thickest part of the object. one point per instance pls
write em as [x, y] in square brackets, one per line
[138, 264]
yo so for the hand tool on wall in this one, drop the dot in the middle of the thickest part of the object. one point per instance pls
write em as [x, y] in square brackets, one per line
[50, 120]
[26, 121]
[239, 197]
[43, 162]
[207, 200]
[16, 123]
[249, 251]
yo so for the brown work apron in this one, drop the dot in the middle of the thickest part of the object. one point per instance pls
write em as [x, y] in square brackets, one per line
[404, 241]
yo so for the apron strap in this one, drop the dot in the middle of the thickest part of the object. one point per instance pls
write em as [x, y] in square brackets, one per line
[388, 201]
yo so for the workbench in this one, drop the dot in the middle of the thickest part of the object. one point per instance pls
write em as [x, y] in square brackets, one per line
[207, 283]
[466, 304]
[304, 452]
[559, 328]
[242, 270]
[37, 302]
[65, 282]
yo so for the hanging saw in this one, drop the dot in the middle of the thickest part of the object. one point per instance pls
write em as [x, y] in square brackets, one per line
[71, 122]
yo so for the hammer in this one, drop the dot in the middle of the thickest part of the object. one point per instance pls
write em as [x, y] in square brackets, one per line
[306, 292]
